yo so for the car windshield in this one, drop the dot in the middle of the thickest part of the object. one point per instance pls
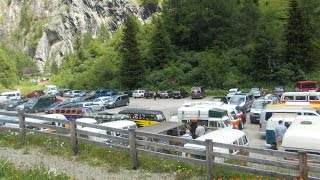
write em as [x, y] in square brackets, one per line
[32, 101]
[260, 104]
[237, 99]
[54, 104]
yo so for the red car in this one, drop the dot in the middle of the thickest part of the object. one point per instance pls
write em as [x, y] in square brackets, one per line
[35, 93]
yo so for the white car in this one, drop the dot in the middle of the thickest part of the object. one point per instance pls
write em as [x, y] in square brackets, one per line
[232, 92]
[138, 93]
[102, 100]
[93, 105]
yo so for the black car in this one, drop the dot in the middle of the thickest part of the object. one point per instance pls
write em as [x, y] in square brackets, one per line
[14, 103]
[180, 94]
[148, 94]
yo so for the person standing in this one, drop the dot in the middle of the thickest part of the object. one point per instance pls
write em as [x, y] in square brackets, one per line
[279, 131]
[200, 130]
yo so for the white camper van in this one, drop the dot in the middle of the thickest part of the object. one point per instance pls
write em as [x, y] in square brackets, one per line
[12, 94]
[226, 136]
[121, 124]
[303, 135]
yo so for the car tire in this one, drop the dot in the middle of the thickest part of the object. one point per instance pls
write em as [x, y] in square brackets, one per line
[114, 106]
[102, 108]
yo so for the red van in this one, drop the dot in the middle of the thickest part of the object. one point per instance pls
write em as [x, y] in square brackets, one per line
[306, 86]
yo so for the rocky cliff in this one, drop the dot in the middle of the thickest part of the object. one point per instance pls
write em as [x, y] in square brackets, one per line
[46, 29]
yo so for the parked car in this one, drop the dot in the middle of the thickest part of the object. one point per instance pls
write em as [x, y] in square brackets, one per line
[243, 100]
[232, 92]
[138, 93]
[63, 91]
[118, 100]
[278, 91]
[94, 106]
[148, 94]
[223, 99]
[166, 94]
[49, 109]
[38, 104]
[180, 94]
[198, 92]
[256, 92]
[14, 103]
[88, 98]
[75, 93]
[3, 104]
[102, 100]
[105, 92]
[35, 93]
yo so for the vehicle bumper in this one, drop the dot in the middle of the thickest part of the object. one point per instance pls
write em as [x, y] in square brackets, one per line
[254, 117]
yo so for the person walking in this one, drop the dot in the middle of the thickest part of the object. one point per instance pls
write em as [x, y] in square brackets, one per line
[279, 131]
[154, 95]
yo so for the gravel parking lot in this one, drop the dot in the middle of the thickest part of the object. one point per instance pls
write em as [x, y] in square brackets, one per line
[170, 106]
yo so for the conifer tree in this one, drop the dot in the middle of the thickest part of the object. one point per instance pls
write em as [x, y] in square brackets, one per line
[132, 69]
[298, 45]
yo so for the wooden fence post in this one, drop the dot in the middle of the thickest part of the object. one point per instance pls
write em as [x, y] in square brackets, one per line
[22, 131]
[133, 150]
[303, 165]
[209, 158]
[73, 137]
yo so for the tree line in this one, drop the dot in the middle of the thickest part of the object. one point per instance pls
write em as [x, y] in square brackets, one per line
[218, 44]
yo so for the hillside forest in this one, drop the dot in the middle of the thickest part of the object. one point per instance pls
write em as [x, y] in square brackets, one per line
[217, 44]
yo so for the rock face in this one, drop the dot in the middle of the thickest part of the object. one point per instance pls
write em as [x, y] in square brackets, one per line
[46, 29]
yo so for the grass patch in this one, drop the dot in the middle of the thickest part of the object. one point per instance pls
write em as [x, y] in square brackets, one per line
[115, 160]
[8, 171]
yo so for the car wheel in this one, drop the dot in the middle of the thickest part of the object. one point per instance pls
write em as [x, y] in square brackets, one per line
[102, 108]
[114, 106]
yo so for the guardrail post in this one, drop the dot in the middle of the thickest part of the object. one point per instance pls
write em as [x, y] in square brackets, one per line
[303, 165]
[73, 137]
[133, 150]
[22, 130]
[209, 158]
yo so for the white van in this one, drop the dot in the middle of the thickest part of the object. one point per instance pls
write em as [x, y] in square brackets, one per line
[121, 124]
[86, 120]
[303, 135]
[51, 89]
[226, 136]
[300, 97]
[12, 94]
[267, 113]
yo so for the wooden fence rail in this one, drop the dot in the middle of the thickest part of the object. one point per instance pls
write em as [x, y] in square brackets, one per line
[299, 165]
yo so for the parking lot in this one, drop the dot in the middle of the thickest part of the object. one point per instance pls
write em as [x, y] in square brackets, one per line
[170, 106]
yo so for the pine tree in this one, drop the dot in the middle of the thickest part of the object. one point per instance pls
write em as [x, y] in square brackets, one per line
[132, 70]
[160, 46]
[298, 44]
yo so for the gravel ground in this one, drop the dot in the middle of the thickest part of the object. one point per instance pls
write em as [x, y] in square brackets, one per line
[26, 159]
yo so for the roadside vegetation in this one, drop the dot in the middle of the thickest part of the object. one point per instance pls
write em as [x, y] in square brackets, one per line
[9, 171]
[113, 159]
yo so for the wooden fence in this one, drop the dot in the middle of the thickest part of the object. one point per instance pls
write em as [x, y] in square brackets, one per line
[134, 141]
